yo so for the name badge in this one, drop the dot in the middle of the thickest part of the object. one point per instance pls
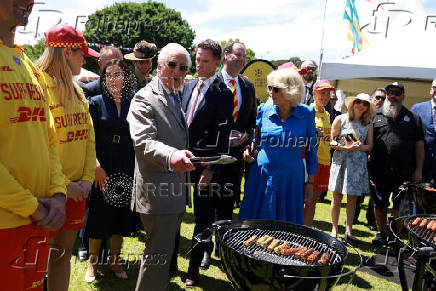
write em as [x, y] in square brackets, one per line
[406, 118]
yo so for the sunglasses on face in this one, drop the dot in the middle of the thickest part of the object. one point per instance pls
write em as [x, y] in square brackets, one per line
[313, 69]
[380, 98]
[275, 89]
[365, 103]
[173, 65]
[394, 92]
[333, 99]
[433, 87]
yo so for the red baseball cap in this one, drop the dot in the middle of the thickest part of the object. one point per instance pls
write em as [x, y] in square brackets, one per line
[323, 84]
[290, 65]
[64, 35]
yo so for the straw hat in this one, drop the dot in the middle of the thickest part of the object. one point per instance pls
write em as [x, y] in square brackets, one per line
[143, 51]
[362, 96]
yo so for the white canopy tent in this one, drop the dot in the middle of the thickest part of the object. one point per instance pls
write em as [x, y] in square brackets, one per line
[407, 56]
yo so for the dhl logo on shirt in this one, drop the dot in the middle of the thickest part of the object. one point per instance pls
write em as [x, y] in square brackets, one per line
[81, 134]
[19, 91]
[29, 114]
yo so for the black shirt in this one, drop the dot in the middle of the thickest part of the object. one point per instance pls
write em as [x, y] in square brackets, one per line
[393, 155]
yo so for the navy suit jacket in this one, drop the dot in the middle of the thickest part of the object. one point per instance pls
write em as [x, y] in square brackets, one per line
[210, 127]
[424, 111]
[92, 89]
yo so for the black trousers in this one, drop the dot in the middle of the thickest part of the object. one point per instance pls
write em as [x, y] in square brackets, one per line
[213, 203]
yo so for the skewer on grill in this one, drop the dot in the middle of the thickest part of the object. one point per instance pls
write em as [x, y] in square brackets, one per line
[423, 223]
[274, 244]
[266, 242]
[416, 221]
[324, 259]
[291, 251]
[262, 239]
[249, 241]
[312, 258]
[283, 246]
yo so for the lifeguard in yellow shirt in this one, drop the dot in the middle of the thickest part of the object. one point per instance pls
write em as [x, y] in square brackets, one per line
[32, 186]
[63, 58]
[321, 95]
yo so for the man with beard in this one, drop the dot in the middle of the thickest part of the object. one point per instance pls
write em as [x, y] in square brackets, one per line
[32, 192]
[310, 68]
[397, 155]
[427, 112]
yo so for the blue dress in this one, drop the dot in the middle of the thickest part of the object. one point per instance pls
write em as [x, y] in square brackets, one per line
[274, 187]
[109, 212]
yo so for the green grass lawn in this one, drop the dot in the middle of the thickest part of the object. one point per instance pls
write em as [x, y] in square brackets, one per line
[214, 278]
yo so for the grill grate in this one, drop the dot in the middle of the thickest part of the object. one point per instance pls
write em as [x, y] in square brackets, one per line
[427, 236]
[234, 239]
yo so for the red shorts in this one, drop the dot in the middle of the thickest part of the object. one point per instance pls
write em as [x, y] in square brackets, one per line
[75, 212]
[321, 178]
[24, 254]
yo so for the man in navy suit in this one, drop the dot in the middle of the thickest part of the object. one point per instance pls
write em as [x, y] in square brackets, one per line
[208, 106]
[244, 114]
[106, 54]
[427, 112]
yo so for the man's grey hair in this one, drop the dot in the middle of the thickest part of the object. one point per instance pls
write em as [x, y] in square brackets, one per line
[110, 50]
[170, 49]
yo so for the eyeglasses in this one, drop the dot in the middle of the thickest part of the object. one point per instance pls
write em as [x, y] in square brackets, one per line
[313, 69]
[173, 65]
[117, 75]
[380, 98]
[276, 89]
[394, 92]
[333, 99]
[358, 101]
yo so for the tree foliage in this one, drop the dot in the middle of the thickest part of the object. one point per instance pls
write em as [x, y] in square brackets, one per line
[36, 50]
[124, 24]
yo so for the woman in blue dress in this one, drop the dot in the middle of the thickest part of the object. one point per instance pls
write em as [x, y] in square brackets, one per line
[109, 203]
[276, 188]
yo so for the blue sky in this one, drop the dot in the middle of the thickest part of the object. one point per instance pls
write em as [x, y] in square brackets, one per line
[274, 29]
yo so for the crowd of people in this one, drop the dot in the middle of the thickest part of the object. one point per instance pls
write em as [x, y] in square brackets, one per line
[114, 156]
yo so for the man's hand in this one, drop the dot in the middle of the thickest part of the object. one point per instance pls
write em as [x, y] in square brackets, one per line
[247, 156]
[86, 187]
[180, 161]
[237, 138]
[100, 179]
[39, 213]
[56, 212]
[75, 191]
[417, 176]
[205, 178]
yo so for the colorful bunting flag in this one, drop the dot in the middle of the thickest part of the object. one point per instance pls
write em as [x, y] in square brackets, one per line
[355, 34]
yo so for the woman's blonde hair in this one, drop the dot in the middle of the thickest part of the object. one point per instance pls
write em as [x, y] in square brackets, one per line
[291, 83]
[365, 118]
[54, 63]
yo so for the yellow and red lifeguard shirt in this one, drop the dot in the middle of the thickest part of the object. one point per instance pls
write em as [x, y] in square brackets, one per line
[75, 134]
[29, 161]
[322, 121]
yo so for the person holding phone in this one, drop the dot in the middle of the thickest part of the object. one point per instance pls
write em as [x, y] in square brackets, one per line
[352, 138]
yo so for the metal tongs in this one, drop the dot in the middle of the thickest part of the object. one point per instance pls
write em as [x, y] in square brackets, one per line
[205, 161]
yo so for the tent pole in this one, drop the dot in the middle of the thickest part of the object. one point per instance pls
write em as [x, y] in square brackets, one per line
[322, 40]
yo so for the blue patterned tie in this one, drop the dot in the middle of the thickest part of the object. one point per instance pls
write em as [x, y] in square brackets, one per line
[434, 117]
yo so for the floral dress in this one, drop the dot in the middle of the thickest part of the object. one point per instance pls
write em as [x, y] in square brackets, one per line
[349, 171]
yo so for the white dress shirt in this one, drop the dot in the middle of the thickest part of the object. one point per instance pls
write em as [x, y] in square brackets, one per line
[206, 85]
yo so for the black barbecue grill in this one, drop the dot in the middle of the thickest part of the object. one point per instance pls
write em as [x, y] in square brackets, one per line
[426, 237]
[255, 268]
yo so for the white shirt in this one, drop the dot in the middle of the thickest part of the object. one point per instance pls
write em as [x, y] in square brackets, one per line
[227, 79]
[206, 85]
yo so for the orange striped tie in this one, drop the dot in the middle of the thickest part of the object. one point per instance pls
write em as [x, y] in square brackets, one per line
[235, 99]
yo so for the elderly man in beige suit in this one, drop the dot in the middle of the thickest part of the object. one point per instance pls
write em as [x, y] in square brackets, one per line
[160, 137]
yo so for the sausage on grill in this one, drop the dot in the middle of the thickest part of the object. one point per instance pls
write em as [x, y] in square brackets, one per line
[291, 251]
[434, 227]
[278, 250]
[266, 242]
[307, 253]
[249, 241]
[416, 221]
[324, 259]
[430, 224]
[261, 240]
[300, 253]
[274, 244]
[423, 223]
[312, 258]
